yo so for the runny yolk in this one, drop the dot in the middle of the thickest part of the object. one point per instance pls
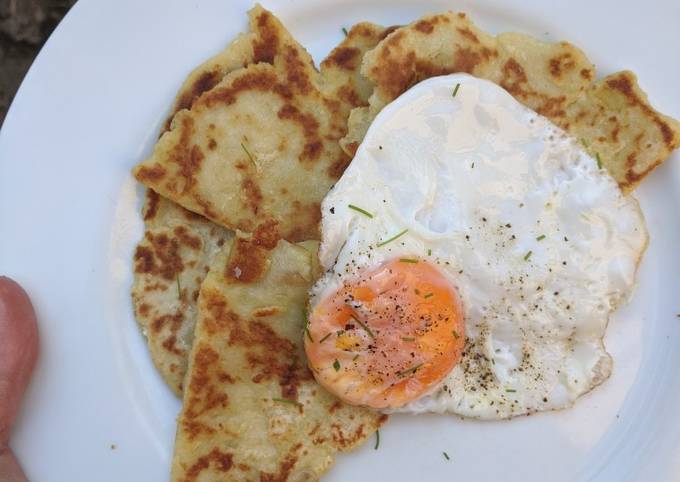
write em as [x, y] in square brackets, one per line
[387, 337]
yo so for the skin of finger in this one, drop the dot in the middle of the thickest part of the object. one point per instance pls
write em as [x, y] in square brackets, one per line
[18, 351]
[10, 470]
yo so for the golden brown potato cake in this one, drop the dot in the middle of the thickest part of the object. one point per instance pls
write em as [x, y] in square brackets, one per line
[252, 409]
[170, 264]
[618, 126]
[261, 145]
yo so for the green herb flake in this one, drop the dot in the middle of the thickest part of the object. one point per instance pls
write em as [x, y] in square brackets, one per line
[409, 371]
[325, 338]
[377, 440]
[599, 161]
[309, 335]
[446, 456]
[455, 334]
[510, 390]
[336, 365]
[306, 318]
[355, 357]
[417, 291]
[585, 143]
[455, 90]
[429, 252]
[366, 328]
[408, 338]
[541, 237]
[287, 400]
[528, 255]
[179, 288]
[359, 210]
[396, 236]
[344, 30]
[429, 295]
[250, 156]
[408, 260]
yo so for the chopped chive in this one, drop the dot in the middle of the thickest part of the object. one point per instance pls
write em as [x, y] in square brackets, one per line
[366, 328]
[325, 338]
[377, 440]
[250, 156]
[528, 255]
[446, 456]
[396, 236]
[344, 30]
[429, 295]
[417, 291]
[355, 357]
[306, 317]
[409, 371]
[362, 211]
[599, 161]
[408, 338]
[510, 390]
[179, 288]
[336, 365]
[455, 334]
[408, 260]
[585, 144]
[429, 252]
[455, 90]
[541, 237]
[287, 400]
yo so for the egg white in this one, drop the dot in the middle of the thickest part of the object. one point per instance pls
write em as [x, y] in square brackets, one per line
[538, 240]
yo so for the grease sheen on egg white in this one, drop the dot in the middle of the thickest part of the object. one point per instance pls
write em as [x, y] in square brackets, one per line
[538, 240]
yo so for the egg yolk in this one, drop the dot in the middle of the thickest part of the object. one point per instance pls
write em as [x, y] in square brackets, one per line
[387, 337]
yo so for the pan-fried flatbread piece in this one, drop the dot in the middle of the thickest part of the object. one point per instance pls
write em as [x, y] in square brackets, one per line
[545, 77]
[265, 41]
[261, 146]
[170, 264]
[618, 126]
[435, 45]
[252, 410]
[431, 46]
[341, 70]
[613, 115]
[239, 53]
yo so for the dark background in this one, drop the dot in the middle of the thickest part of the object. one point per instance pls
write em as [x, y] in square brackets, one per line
[24, 27]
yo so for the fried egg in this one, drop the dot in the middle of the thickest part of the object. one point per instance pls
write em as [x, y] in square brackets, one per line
[473, 253]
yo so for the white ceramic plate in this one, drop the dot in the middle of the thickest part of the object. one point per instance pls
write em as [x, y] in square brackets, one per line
[91, 107]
